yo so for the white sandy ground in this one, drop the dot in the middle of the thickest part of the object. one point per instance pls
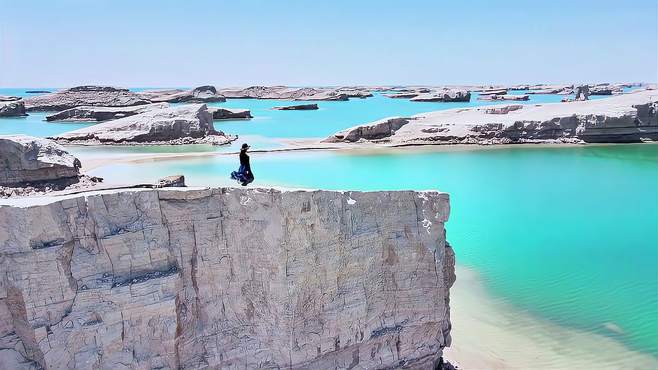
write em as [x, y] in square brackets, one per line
[490, 334]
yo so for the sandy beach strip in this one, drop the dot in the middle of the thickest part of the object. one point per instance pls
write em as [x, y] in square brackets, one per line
[488, 333]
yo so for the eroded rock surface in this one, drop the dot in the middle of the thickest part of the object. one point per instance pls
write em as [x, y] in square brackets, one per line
[187, 124]
[229, 113]
[494, 97]
[226, 278]
[453, 95]
[12, 108]
[99, 114]
[284, 92]
[27, 159]
[98, 96]
[201, 94]
[631, 117]
[298, 107]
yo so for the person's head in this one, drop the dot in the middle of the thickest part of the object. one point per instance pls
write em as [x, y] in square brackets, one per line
[245, 146]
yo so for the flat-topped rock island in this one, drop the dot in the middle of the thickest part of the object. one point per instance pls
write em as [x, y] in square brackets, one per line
[631, 117]
[187, 124]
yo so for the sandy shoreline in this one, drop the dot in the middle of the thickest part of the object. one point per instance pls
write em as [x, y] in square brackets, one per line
[488, 333]
[96, 161]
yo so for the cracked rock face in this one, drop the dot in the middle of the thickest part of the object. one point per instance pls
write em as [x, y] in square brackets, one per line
[229, 113]
[12, 108]
[99, 114]
[164, 125]
[226, 278]
[27, 159]
[201, 94]
[104, 96]
[624, 118]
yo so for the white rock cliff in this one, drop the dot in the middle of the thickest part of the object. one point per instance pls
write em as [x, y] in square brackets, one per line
[225, 278]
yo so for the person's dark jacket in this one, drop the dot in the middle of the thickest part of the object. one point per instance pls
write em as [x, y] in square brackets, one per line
[244, 160]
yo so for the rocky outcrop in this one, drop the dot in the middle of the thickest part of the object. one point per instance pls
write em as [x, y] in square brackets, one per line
[402, 95]
[187, 124]
[229, 113]
[201, 94]
[27, 159]
[494, 97]
[97, 96]
[99, 114]
[9, 98]
[298, 107]
[444, 96]
[283, 93]
[605, 89]
[624, 118]
[355, 92]
[12, 108]
[175, 181]
[375, 131]
[502, 110]
[493, 92]
[226, 278]
[582, 93]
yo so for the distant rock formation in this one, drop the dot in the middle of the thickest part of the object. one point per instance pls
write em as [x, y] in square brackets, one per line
[27, 159]
[402, 95]
[226, 278]
[201, 94]
[504, 97]
[355, 92]
[502, 109]
[219, 113]
[298, 107]
[624, 118]
[582, 93]
[444, 96]
[12, 108]
[9, 98]
[377, 130]
[605, 89]
[493, 92]
[284, 93]
[549, 89]
[102, 96]
[187, 124]
[99, 114]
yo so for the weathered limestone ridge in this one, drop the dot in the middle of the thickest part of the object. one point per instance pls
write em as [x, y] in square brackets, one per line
[225, 278]
[625, 118]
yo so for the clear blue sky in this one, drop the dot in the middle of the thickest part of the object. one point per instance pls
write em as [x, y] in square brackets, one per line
[184, 43]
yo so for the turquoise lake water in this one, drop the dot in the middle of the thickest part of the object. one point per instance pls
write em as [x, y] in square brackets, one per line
[569, 234]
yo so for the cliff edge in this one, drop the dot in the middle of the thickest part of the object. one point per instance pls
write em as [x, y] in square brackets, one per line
[225, 278]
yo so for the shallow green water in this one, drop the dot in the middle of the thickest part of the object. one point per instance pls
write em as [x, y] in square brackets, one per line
[569, 234]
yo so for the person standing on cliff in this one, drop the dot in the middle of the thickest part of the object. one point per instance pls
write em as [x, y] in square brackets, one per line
[243, 175]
